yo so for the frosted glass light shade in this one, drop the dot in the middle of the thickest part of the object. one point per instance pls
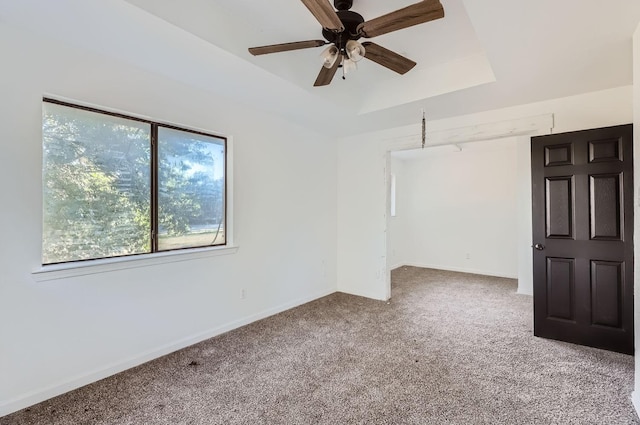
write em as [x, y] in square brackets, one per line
[329, 56]
[355, 50]
[349, 65]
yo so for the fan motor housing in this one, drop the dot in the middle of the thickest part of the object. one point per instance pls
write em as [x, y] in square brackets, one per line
[350, 21]
[343, 4]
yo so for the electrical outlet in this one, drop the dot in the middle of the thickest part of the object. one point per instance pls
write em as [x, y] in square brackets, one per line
[243, 294]
[468, 256]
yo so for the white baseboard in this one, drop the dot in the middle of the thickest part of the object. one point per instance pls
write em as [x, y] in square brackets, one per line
[34, 397]
[371, 295]
[635, 399]
[461, 270]
[523, 292]
[396, 266]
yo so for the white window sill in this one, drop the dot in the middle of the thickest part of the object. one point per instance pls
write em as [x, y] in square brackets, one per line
[83, 268]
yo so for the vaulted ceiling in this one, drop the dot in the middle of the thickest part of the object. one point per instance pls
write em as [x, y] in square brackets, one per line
[482, 55]
[449, 55]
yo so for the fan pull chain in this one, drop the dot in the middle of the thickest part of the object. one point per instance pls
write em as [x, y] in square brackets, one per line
[341, 56]
[424, 129]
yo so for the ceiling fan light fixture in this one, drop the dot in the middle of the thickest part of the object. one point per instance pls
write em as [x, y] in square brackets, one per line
[355, 50]
[349, 65]
[342, 28]
[330, 56]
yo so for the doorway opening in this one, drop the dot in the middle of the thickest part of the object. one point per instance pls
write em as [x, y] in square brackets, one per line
[463, 207]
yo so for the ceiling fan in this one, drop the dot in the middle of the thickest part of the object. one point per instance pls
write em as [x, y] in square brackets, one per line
[342, 28]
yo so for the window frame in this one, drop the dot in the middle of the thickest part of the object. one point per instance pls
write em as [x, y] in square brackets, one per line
[154, 255]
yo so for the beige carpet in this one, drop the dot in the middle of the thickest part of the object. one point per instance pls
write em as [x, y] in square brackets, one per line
[449, 348]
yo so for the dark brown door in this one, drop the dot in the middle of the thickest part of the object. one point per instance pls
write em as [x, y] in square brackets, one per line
[583, 237]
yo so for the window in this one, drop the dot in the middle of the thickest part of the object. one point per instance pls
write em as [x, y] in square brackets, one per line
[115, 185]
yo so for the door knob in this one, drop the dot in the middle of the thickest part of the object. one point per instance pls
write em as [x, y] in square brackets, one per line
[539, 246]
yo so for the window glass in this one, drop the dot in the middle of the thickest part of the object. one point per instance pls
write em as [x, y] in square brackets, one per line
[109, 191]
[96, 185]
[191, 189]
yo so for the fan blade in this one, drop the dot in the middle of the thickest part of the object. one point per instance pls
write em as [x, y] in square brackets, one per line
[387, 58]
[284, 47]
[326, 74]
[418, 13]
[325, 14]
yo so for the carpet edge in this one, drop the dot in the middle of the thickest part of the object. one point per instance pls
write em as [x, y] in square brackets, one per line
[34, 397]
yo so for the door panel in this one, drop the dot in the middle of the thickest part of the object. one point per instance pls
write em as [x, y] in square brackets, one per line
[560, 288]
[604, 200]
[559, 207]
[583, 237]
[606, 293]
[605, 150]
[558, 155]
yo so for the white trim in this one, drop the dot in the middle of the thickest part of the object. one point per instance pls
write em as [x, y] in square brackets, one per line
[635, 400]
[396, 266]
[527, 126]
[392, 195]
[369, 295]
[462, 270]
[31, 398]
[524, 292]
[103, 108]
[83, 268]
[229, 192]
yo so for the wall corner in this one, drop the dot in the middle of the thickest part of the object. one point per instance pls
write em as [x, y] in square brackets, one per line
[635, 396]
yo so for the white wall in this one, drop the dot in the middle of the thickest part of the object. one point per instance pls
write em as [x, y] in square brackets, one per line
[362, 186]
[60, 334]
[636, 217]
[396, 232]
[461, 209]
[524, 215]
[362, 205]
